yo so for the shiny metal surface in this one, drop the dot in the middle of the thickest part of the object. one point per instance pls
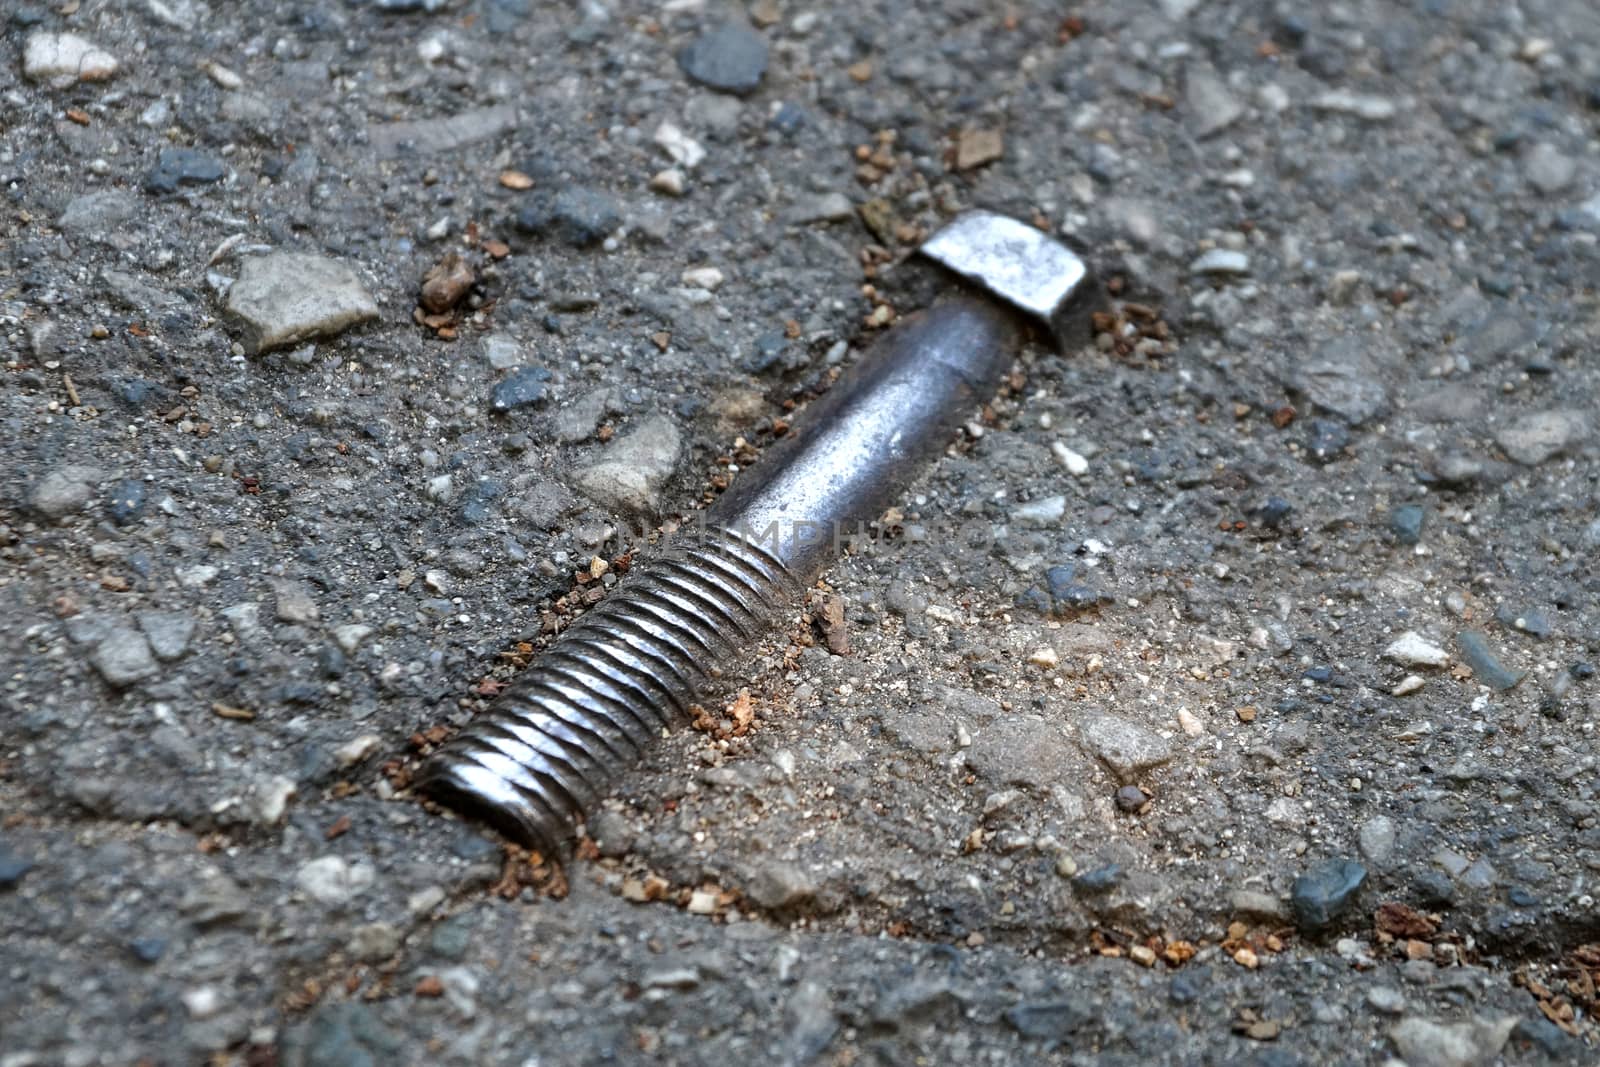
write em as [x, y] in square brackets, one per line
[555, 740]
[1014, 262]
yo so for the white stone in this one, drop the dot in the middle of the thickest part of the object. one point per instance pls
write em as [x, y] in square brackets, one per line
[1045, 657]
[1044, 512]
[272, 799]
[199, 575]
[1371, 108]
[354, 751]
[331, 880]
[684, 150]
[1474, 1043]
[1189, 723]
[63, 58]
[669, 181]
[202, 1002]
[1409, 684]
[350, 635]
[1221, 261]
[1411, 649]
[1076, 464]
[708, 278]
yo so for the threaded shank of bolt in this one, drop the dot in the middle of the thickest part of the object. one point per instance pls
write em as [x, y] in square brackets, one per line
[552, 744]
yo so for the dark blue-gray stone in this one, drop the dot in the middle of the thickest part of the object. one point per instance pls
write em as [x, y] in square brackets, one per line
[148, 949]
[1405, 522]
[1187, 985]
[1100, 880]
[788, 118]
[177, 167]
[1327, 439]
[349, 1034]
[1533, 623]
[730, 58]
[1069, 592]
[575, 214]
[126, 503]
[451, 938]
[478, 505]
[12, 866]
[1053, 1020]
[1034, 599]
[1547, 1037]
[519, 389]
[1324, 892]
[1273, 511]
[1486, 667]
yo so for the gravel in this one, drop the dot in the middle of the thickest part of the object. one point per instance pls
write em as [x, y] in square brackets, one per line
[910, 853]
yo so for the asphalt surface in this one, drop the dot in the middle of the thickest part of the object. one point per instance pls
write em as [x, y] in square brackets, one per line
[1225, 694]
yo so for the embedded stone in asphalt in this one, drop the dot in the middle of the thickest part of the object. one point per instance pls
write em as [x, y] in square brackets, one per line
[287, 297]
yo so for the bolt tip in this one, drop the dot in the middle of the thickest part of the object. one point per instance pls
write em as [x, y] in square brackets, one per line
[474, 792]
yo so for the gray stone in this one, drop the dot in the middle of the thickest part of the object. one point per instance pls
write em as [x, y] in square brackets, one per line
[374, 942]
[123, 657]
[1533, 439]
[502, 351]
[1343, 379]
[392, 140]
[1547, 169]
[94, 214]
[168, 632]
[777, 886]
[1386, 999]
[629, 473]
[1124, 747]
[295, 604]
[65, 490]
[136, 294]
[1323, 893]
[214, 900]
[1377, 837]
[1497, 336]
[288, 297]
[1480, 875]
[1212, 107]
[576, 420]
[731, 58]
[1475, 1043]
[1023, 750]
[1253, 904]
[823, 207]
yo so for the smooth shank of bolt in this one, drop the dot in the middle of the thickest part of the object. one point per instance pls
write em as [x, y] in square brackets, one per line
[552, 744]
